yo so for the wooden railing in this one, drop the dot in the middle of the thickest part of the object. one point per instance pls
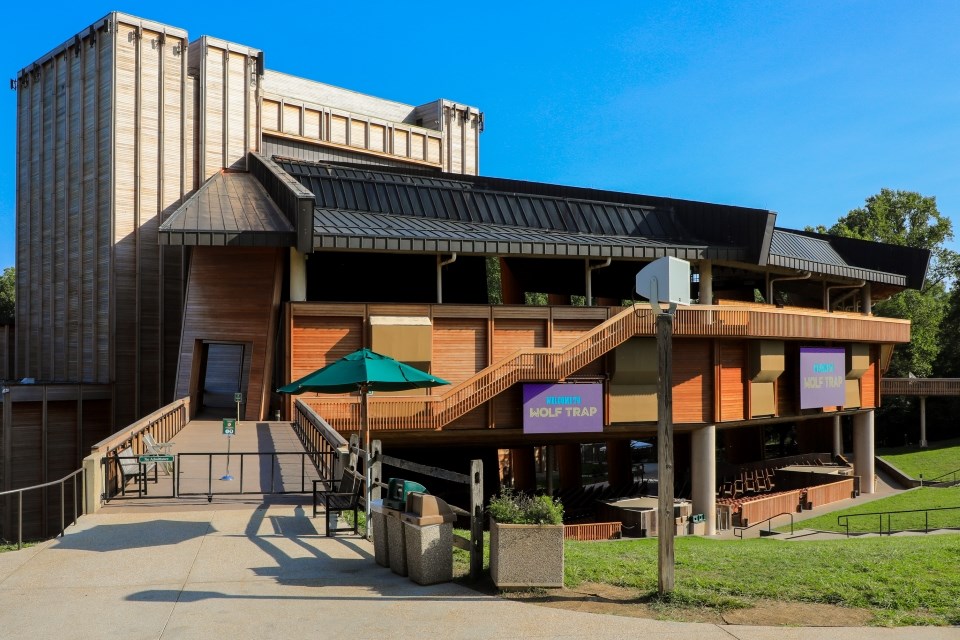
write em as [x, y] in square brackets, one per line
[163, 424]
[920, 387]
[548, 364]
[592, 531]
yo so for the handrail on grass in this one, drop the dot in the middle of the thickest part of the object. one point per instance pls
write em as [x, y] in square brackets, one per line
[62, 482]
[738, 531]
[926, 518]
[953, 475]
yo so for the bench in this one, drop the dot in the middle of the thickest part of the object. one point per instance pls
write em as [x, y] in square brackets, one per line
[348, 496]
[130, 468]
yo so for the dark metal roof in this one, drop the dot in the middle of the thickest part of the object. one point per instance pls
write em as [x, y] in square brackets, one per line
[352, 230]
[816, 253]
[228, 209]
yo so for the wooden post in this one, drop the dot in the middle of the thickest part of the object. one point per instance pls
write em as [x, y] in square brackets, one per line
[665, 518]
[476, 519]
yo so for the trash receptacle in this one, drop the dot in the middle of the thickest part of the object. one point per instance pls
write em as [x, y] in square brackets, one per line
[378, 527]
[428, 529]
[396, 542]
[397, 490]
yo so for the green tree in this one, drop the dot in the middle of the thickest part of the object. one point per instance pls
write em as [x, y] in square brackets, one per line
[8, 295]
[910, 219]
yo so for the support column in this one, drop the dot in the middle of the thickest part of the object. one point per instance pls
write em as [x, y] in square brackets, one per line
[619, 467]
[706, 282]
[923, 421]
[568, 459]
[524, 469]
[866, 300]
[863, 451]
[837, 437]
[704, 475]
[298, 276]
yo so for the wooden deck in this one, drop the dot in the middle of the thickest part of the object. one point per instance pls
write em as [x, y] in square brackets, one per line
[200, 475]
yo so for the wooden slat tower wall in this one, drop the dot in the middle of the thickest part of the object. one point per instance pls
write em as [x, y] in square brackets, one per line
[102, 160]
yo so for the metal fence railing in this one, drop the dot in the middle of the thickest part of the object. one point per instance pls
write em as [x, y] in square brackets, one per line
[62, 482]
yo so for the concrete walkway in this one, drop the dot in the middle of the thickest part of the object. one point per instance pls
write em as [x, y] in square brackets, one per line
[242, 570]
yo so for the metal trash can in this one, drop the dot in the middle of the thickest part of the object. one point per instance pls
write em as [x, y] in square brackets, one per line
[428, 532]
[378, 527]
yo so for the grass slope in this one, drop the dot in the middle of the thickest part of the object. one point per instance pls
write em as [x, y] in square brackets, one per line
[903, 580]
[921, 498]
[941, 457]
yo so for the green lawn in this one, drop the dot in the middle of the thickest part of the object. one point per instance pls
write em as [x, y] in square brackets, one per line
[902, 580]
[921, 498]
[939, 458]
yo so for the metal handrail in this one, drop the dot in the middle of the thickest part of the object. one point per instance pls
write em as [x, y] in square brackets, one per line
[738, 531]
[274, 455]
[62, 482]
[926, 518]
[948, 473]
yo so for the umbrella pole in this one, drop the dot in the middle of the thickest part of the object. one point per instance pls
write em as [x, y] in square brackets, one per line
[365, 423]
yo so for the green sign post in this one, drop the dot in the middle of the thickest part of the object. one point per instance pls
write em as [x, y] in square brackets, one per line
[229, 429]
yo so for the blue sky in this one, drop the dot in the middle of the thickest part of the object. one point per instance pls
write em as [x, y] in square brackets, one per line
[805, 108]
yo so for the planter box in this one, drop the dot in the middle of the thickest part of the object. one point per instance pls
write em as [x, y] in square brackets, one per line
[526, 555]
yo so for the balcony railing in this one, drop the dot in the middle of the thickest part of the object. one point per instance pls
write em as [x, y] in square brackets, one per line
[539, 364]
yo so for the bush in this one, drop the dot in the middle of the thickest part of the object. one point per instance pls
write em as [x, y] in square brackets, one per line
[518, 508]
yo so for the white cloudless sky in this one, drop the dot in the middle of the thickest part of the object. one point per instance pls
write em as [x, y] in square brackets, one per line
[804, 108]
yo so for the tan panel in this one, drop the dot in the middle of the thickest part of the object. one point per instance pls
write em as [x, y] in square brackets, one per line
[633, 386]
[767, 360]
[291, 119]
[270, 115]
[732, 387]
[311, 124]
[401, 141]
[338, 129]
[408, 340]
[633, 403]
[416, 146]
[358, 134]
[470, 148]
[434, 152]
[763, 401]
[858, 360]
[378, 137]
[851, 398]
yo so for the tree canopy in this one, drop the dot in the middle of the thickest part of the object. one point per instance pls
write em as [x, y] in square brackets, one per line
[909, 219]
[7, 295]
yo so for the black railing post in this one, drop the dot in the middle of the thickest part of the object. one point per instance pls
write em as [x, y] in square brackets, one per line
[20, 520]
[63, 510]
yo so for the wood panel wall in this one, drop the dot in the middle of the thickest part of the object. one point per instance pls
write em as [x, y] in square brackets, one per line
[45, 431]
[870, 382]
[102, 161]
[233, 295]
[732, 388]
[692, 381]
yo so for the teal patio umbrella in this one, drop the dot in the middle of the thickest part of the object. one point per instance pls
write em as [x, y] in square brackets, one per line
[363, 371]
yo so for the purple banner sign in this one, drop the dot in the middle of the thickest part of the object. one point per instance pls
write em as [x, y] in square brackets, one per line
[822, 377]
[562, 408]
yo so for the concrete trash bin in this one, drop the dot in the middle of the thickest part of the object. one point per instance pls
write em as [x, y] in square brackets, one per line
[428, 529]
[378, 527]
[396, 542]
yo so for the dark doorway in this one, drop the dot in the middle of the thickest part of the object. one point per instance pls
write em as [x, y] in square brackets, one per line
[224, 373]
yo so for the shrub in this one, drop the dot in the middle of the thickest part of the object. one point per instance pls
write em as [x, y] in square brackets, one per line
[518, 508]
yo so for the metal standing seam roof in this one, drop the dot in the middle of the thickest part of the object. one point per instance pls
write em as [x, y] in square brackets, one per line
[352, 230]
[806, 253]
[523, 223]
[230, 208]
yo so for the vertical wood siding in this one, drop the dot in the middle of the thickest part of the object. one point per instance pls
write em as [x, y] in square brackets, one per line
[733, 360]
[692, 381]
[233, 295]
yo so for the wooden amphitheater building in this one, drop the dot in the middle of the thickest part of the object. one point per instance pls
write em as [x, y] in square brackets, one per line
[191, 223]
